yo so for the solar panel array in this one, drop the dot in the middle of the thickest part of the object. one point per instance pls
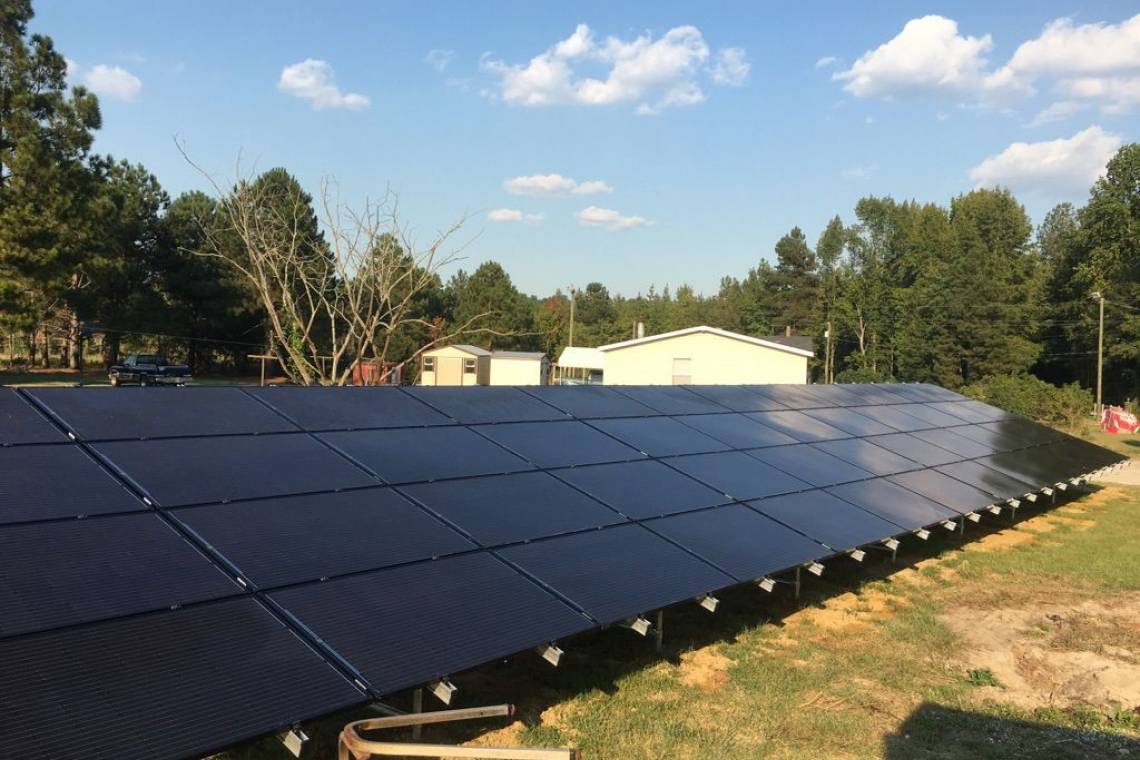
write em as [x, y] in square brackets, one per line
[186, 569]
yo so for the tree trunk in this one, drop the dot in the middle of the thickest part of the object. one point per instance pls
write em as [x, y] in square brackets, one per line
[30, 341]
[45, 355]
[11, 350]
[111, 343]
[74, 341]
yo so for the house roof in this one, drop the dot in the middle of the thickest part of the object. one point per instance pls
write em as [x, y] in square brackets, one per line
[581, 357]
[465, 348]
[518, 355]
[765, 342]
[806, 342]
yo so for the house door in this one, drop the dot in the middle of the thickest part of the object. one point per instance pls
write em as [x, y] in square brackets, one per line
[449, 370]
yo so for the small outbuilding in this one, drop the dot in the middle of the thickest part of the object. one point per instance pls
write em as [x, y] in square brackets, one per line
[705, 356]
[579, 364]
[458, 364]
[519, 368]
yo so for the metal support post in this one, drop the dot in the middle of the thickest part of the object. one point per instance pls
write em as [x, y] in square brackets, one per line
[659, 631]
[797, 582]
[417, 708]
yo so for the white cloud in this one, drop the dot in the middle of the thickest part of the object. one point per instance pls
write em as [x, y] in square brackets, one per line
[928, 55]
[1115, 95]
[113, 82]
[513, 215]
[827, 60]
[864, 171]
[1058, 111]
[607, 218]
[654, 73]
[313, 80]
[72, 68]
[554, 184]
[1065, 49]
[731, 67]
[1067, 165]
[439, 59]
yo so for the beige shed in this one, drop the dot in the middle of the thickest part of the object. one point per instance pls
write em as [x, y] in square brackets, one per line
[459, 364]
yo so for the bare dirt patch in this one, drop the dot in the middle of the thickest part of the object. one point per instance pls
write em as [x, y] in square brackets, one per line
[705, 668]
[1059, 653]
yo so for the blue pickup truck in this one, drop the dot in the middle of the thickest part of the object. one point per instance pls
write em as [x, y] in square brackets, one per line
[148, 369]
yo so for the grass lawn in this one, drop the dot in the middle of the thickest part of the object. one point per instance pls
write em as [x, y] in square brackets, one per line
[1020, 643]
[62, 378]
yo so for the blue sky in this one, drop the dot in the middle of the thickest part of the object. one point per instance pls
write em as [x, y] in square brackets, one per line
[686, 137]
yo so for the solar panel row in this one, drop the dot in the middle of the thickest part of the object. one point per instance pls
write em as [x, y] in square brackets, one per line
[392, 536]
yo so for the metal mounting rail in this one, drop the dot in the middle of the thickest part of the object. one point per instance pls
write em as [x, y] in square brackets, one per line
[352, 746]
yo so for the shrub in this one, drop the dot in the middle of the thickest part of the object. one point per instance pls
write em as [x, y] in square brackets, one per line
[1064, 406]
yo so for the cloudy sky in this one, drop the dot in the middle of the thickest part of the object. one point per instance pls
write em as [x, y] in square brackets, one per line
[661, 143]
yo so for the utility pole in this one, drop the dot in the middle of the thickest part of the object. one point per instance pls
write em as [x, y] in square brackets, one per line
[827, 378]
[1098, 296]
[572, 294]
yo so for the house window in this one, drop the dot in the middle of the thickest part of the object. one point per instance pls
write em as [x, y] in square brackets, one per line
[469, 366]
[682, 371]
[429, 364]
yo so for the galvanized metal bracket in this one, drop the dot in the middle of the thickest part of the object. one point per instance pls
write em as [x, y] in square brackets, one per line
[294, 740]
[443, 690]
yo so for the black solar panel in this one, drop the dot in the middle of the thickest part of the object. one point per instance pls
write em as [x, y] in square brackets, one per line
[507, 508]
[181, 471]
[995, 438]
[737, 430]
[811, 465]
[738, 398]
[875, 394]
[670, 399]
[404, 626]
[1087, 455]
[737, 474]
[963, 410]
[1027, 464]
[659, 436]
[590, 401]
[834, 395]
[120, 413]
[164, 685]
[894, 503]
[799, 426]
[868, 456]
[642, 489]
[44, 482]
[61, 573]
[966, 448]
[827, 519]
[285, 540]
[916, 449]
[349, 408]
[792, 396]
[415, 455]
[559, 444]
[895, 417]
[616, 573]
[930, 415]
[850, 421]
[739, 541]
[486, 404]
[20, 422]
[913, 392]
[991, 481]
[950, 493]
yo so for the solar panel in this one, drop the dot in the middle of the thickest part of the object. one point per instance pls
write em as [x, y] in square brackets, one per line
[738, 398]
[997, 484]
[875, 394]
[423, 454]
[1088, 455]
[618, 572]
[736, 430]
[486, 404]
[995, 438]
[792, 396]
[407, 625]
[129, 413]
[642, 489]
[799, 426]
[834, 395]
[62, 573]
[670, 399]
[590, 401]
[274, 542]
[508, 508]
[992, 413]
[179, 471]
[739, 541]
[163, 685]
[737, 474]
[868, 456]
[935, 418]
[1027, 464]
[894, 503]
[1029, 432]
[850, 421]
[963, 410]
[659, 436]
[811, 465]
[920, 451]
[944, 489]
[559, 444]
[20, 422]
[912, 392]
[827, 519]
[45, 482]
[966, 448]
[349, 408]
[895, 417]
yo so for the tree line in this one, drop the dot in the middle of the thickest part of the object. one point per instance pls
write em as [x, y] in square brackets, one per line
[901, 290]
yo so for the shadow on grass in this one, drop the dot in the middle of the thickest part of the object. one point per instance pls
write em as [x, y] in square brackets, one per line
[935, 731]
[598, 660]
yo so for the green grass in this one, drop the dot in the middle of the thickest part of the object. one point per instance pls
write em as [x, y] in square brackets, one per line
[864, 666]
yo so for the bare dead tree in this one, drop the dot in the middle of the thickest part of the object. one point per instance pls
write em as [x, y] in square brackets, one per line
[344, 300]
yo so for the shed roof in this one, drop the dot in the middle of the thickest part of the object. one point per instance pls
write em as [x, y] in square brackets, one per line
[464, 347]
[764, 342]
[533, 355]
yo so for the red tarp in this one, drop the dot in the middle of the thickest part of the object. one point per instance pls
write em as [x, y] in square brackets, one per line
[1115, 420]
